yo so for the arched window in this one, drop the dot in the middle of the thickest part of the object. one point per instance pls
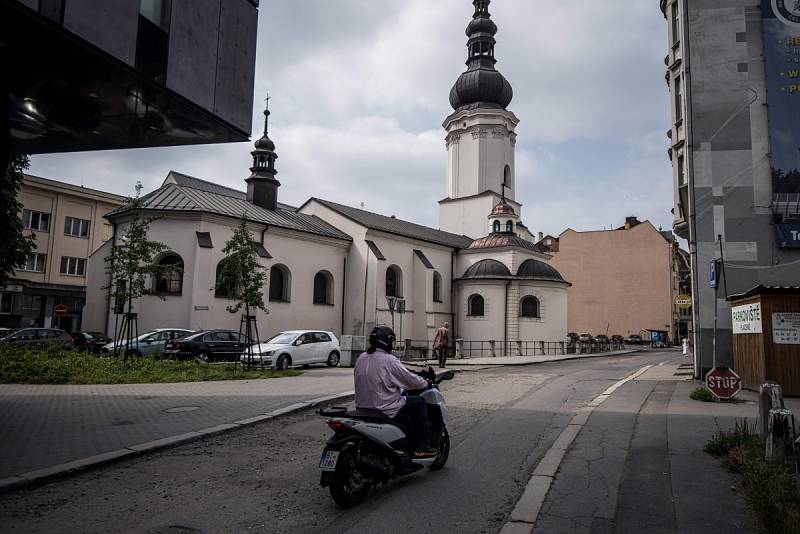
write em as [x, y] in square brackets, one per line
[475, 306]
[496, 227]
[280, 283]
[394, 281]
[323, 288]
[507, 176]
[529, 307]
[223, 290]
[170, 281]
[510, 227]
[437, 287]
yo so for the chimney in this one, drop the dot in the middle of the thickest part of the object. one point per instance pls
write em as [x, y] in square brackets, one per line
[630, 222]
[541, 236]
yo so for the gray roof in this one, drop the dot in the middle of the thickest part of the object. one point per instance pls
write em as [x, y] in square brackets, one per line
[391, 225]
[193, 195]
[487, 268]
[538, 270]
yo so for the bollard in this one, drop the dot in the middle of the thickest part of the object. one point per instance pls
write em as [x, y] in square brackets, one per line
[491, 349]
[780, 435]
[770, 396]
[519, 347]
[459, 348]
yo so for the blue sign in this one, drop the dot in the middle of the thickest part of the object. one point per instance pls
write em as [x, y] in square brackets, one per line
[713, 274]
[787, 235]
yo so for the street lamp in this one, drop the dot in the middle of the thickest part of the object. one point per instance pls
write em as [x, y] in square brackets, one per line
[391, 301]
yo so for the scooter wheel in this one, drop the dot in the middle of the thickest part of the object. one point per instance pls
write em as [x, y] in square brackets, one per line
[348, 486]
[444, 452]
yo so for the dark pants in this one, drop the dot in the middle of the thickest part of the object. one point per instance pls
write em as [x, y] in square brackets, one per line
[414, 417]
[442, 354]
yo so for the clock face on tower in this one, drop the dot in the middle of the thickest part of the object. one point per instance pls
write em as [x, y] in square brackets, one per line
[787, 11]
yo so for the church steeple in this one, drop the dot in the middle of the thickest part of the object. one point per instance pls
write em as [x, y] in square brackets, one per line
[262, 186]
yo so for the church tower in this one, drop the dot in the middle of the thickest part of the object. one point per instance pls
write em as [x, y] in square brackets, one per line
[480, 135]
[262, 186]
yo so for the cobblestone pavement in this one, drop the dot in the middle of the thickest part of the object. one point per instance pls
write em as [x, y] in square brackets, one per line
[44, 425]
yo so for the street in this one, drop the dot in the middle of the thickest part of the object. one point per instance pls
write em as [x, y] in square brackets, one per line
[502, 421]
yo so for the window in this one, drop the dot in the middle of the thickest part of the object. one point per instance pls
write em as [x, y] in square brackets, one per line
[73, 266]
[76, 227]
[507, 176]
[223, 291]
[676, 37]
[6, 303]
[509, 227]
[36, 220]
[222, 337]
[108, 232]
[321, 337]
[171, 281]
[475, 306]
[681, 171]
[496, 227]
[394, 282]
[323, 288]
[152, 44]
[437, 287]
[35, 263]
[678, 100]
[280, 282]
[529, 307]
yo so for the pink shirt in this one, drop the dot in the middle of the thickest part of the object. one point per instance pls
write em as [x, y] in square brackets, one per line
[379, 378]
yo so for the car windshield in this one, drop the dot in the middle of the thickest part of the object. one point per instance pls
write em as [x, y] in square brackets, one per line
[5, 335]
[284, 338]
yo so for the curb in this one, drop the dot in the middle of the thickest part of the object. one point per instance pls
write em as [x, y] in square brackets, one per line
[61, 470]
[464, 367]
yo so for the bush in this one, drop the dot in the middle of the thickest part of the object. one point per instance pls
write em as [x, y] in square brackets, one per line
[22, 366]
[702, 394]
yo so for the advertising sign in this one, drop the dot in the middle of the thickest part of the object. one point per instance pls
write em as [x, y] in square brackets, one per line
[712, 274]
[747, 319]
[786, 328]
[684, 301]
[781, 22]
[787, 235]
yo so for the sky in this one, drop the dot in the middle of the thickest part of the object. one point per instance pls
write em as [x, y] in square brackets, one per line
[359, 90]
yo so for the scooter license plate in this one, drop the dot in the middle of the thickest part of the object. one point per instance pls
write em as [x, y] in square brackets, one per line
[328, 460]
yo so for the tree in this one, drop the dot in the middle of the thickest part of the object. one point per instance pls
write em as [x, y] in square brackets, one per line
[15, 246]
[131, 267]
[243, 279]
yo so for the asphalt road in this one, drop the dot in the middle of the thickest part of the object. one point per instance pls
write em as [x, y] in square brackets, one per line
[265, 478]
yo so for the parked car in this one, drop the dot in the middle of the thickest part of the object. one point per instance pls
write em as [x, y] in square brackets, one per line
[150, 342]
[572, 337]
[36, 337]
[91, 342]
[601, 339]
[298, 347]
[634, 339]
[585, 338]
[617, 340]
[208, 346]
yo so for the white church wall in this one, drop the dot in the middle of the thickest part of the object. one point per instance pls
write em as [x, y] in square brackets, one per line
[468, 216]
[488, 327]
[552, 323]
[95, 310]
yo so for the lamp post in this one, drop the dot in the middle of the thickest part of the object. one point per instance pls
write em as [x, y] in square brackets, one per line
[401, 309]
[391, 301]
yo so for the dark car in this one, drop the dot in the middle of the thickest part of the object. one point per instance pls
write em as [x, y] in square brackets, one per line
[601, 339]
[207, 346]
[91, 342]
[634, 339]
[38, 337]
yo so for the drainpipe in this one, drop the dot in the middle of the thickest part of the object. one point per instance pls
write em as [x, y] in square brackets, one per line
[110, 279]
[453, 295]
[505, 319]
[364, 316]
[344, 291]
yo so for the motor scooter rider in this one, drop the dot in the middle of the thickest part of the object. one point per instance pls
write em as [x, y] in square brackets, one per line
[379, 380]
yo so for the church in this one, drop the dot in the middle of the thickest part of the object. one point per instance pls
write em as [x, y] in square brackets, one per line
[338, 268]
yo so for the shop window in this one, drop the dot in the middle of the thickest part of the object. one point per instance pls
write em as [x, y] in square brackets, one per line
[6, 303]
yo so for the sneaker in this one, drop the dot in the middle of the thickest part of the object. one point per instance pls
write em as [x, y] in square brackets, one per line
[425, 452]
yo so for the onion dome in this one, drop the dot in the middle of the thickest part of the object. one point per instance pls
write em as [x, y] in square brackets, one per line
[487, 269]
[538, 270]
[265, 143]
[502, 240]
[481, 85]
[503, 208]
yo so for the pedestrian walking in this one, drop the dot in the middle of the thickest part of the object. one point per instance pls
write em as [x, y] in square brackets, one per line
[685, 346]
[440, 343]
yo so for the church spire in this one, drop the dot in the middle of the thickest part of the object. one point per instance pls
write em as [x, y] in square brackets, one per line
[481, 85]
[262, 187]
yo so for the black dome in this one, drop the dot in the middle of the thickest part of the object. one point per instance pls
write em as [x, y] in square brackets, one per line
[481, 25]
[265, 143]
[538, 270]
[487, 269]
[481, 86]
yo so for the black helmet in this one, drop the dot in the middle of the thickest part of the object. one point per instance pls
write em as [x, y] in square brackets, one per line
[382, 337]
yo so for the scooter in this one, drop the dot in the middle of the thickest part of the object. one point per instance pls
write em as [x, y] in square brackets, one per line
[368, 448]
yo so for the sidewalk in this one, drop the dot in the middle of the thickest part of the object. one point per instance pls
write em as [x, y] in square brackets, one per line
[49, 430]
[515, 360]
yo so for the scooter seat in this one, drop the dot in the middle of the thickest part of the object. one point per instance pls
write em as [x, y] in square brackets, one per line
[373, 416]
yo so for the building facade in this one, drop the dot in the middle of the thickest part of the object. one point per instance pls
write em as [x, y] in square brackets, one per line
[68, 225]
[623, 280]
[733, 148]
[343, 269]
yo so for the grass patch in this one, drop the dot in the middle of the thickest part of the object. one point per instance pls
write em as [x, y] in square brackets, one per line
[770, 486]
[702, 394]
[19, 366]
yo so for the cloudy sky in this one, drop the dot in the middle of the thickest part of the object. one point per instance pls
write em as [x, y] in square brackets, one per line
[360, 89]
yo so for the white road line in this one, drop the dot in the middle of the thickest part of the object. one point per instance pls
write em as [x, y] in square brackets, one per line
[530, 504]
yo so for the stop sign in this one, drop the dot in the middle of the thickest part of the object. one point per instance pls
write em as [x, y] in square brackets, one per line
[60, 310]
[723, 382]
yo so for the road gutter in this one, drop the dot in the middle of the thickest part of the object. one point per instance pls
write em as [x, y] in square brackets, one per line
[524, 515]
[57, 471]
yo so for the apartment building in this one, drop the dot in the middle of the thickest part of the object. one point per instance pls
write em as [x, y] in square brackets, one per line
[733, 144]
[68, 226]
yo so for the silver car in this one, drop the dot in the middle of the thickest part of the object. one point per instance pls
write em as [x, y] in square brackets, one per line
[150, 342]
[297, 347]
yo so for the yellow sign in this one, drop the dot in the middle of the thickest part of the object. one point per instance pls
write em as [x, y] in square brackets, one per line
[684, 301]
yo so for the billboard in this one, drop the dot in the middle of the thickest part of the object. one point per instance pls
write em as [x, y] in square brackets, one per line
[781, 21]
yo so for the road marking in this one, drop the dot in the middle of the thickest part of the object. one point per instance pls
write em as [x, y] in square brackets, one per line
[526, 511]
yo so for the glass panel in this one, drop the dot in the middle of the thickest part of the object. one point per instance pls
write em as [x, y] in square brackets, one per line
[6, 302]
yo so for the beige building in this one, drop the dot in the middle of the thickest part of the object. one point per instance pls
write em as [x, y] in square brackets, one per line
[623, 280]
[68, 226]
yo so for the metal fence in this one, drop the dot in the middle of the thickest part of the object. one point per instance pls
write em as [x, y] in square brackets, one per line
[422, 349]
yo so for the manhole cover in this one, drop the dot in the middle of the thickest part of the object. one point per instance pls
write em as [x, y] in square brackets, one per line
[179, 409]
